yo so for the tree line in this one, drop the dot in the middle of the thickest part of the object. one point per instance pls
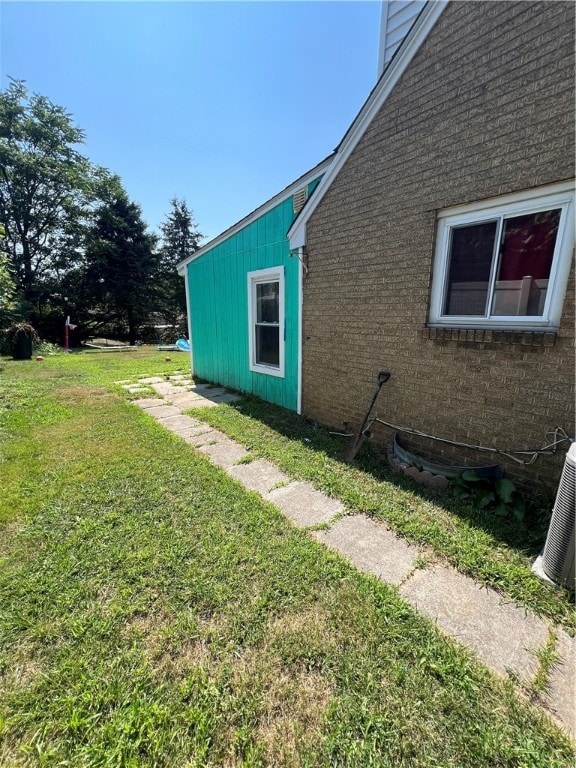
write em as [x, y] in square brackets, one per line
[72, 241]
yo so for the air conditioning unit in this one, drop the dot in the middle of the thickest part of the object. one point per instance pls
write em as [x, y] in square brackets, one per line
[556, 563]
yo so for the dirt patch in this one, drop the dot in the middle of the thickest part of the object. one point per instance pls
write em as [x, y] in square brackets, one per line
[149, 628]
[8, 535]
[173, 651]
[106, 595]
[313, 623]
[22, 669]
[292, 721]
[288, 699]
[82, 395]
[8, 757]
[292, 697]
[303, 640]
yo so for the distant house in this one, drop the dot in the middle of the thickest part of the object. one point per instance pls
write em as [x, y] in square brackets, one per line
[439, 243]
[244, 300]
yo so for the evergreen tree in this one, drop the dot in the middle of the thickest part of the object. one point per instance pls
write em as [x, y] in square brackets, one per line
[179, 240]
[122, 265]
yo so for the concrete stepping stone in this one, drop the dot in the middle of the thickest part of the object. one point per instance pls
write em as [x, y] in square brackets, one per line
[213, 392]
[258, 475]
[560, 698]
[203, 402]
[227, 397]
[149, 402]
[186, 432]
[224, 453]
[371, 547]
[203, 388]
[128, 386]
[181, 423]
[135, 390]
[185, 399]
[203, 438]
[123, 381]
[150, 380]
[504, 636]
[304, 504]
[166, 388]
[163, 411]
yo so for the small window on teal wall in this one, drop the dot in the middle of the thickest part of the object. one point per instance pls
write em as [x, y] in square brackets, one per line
[266, 321]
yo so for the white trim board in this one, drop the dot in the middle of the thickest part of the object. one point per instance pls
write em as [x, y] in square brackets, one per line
[560, 195]
[414, 39]
[258, 212]
[268, 275]
[520, 197]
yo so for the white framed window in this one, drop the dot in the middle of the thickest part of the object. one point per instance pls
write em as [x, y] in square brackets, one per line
[504, 262]
[266, 321]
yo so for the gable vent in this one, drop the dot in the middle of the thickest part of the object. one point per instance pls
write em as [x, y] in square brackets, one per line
[299, 198]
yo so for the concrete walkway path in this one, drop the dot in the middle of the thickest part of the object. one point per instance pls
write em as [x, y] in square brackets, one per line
[504, 636]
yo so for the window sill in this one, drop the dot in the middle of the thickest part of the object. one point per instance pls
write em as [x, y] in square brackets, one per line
[484, 336]
[268, 370]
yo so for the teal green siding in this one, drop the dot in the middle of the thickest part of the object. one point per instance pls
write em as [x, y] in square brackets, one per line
[218, 305]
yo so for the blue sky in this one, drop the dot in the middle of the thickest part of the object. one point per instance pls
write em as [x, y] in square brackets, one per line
[222, 103]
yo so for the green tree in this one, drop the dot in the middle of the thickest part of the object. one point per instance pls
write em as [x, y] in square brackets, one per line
[180, 238]
[7, 286]
[122, 265]
[46, 189]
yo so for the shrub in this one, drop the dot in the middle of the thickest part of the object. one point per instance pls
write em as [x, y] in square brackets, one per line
[19, 330]
[500, 497]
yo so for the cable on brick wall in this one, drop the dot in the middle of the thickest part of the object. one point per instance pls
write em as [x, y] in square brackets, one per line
[558, 435]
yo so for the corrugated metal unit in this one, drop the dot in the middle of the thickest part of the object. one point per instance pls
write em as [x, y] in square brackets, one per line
[398, 16]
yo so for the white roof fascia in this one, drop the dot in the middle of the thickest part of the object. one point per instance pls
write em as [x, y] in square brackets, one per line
[264, 208]
[414, 39]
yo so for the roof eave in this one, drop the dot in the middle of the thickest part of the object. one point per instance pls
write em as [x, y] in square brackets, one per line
[306, 178]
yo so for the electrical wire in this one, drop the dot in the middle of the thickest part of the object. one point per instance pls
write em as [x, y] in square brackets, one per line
[546, 450]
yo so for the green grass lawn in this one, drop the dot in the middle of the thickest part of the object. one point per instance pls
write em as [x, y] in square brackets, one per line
[495, 551]
[154, 613]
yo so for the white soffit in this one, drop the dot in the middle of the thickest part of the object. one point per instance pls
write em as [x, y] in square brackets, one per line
[418, 33]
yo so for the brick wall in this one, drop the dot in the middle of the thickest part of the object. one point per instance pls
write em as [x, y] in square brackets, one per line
[485, 108]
